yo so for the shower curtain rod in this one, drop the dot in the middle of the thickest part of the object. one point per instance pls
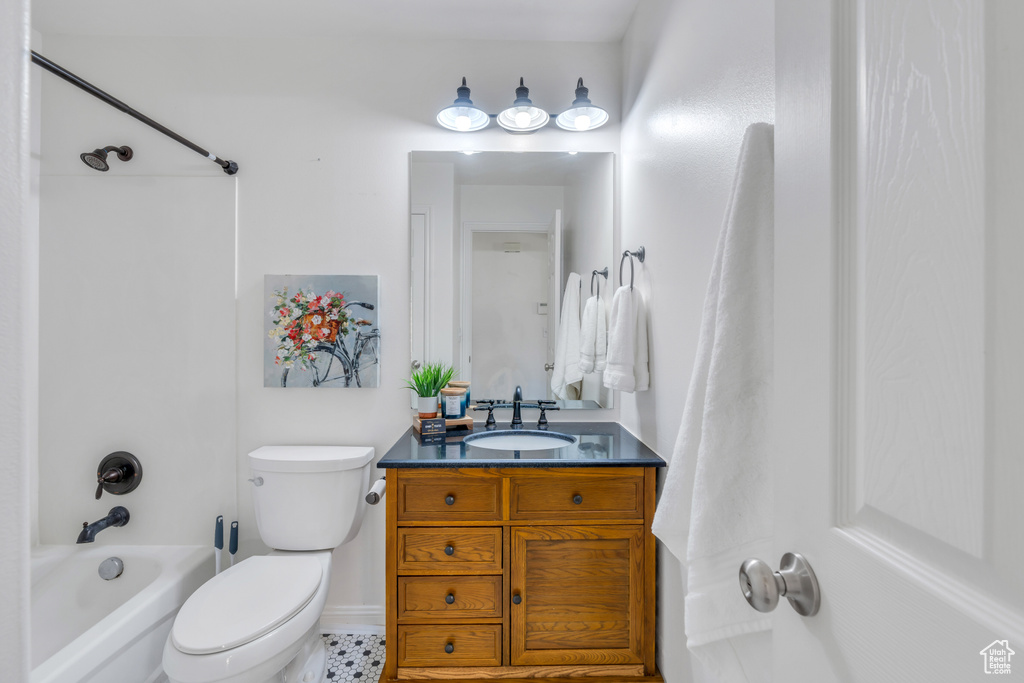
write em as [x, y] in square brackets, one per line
[230, 167]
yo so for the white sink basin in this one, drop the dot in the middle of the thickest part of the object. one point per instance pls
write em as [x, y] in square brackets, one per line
[520, 440]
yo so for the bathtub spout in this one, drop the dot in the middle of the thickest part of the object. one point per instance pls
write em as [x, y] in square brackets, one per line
[118, 516]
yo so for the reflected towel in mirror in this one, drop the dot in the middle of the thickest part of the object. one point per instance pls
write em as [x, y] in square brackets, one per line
[567, 378]
[594, 336]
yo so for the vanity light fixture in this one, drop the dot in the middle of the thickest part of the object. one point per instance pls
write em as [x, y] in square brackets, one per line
[462, 115]
[582, 115]
[522, 116]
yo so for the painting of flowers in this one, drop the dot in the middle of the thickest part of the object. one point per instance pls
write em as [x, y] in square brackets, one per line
[321, 331]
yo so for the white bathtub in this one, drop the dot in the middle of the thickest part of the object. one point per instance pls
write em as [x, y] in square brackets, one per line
[88, 629]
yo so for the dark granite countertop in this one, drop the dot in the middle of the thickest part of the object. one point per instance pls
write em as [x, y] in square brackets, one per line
[598, 444]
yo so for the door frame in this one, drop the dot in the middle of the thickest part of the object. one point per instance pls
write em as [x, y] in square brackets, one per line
[465, 331]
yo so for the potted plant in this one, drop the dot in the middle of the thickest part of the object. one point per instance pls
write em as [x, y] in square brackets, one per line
[427, 382]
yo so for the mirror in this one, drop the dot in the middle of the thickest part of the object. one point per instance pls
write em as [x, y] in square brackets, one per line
[494, 237]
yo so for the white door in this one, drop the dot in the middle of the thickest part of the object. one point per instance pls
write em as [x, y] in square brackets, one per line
[555, 280]
[899, 336]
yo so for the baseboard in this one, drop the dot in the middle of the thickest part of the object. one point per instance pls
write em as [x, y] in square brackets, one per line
[353, 619]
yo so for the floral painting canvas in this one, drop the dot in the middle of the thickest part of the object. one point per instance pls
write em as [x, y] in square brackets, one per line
[321, 331]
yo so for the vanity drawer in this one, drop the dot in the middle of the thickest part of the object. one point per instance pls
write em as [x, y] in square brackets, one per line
[429, 497]
[449, 550]
[469, 645]
[450, 597]
[601, 494]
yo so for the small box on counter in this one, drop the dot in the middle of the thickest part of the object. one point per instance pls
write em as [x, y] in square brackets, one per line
[433, 426]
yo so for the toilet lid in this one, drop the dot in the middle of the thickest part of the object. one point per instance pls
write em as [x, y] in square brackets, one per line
[244, 602]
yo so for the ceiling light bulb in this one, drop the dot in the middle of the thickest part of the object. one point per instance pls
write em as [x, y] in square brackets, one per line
[522, 116]
[582, 115]
[461, 115]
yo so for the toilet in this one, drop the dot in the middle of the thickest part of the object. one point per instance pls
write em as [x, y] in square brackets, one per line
[259, 621]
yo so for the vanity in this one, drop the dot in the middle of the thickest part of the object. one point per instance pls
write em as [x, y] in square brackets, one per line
[515, 560]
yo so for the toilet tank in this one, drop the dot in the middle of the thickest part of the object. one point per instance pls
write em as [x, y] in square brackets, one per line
[309, 497]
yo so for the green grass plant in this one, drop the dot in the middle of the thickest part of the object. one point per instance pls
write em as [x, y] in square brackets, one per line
[430, 379]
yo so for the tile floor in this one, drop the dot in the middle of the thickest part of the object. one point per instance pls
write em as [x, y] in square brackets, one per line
[353, 657]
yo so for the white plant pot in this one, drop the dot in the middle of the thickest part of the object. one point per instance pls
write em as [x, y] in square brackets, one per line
[426, 406]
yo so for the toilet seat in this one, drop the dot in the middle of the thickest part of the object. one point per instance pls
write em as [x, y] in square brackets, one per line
[246, 602]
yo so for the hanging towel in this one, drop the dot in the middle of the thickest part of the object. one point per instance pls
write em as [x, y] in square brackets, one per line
[593, 336]
[627, 369]
[717, 502]
[567, 379]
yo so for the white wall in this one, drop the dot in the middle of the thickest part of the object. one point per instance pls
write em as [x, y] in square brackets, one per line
[18, 333]
[137, 353]
[696, 73]
[321, 130]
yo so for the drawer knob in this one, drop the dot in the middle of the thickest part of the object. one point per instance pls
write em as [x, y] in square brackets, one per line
[449, 648]
[516, 599]
[578, 499]
[449, 500]
[449, 550]
[450, 598]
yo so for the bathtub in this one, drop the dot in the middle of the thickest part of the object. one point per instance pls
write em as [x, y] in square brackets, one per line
[85, 629]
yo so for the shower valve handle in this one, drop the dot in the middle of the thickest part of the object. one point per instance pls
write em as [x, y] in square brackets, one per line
[111, 476]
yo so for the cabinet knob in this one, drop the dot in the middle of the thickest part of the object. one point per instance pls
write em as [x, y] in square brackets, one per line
[578, 499]
[449, 648]
[516, 599]
[449, 550]
[450, 598]
[449, 500]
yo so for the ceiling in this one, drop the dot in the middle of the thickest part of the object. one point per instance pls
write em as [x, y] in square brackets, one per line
[599, 21]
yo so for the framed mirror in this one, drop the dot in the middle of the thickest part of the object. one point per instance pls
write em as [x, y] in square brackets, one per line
[494, 237]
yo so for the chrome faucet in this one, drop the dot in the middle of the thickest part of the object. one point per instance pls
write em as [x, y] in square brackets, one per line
[117, 516]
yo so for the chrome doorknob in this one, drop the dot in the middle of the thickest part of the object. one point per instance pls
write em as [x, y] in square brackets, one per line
[795, 580]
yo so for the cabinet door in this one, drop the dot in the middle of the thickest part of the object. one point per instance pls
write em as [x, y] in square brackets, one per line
[577, 595]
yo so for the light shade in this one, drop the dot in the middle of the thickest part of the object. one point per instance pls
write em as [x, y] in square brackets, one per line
[582, 115]
[522, 116]
[462, 116]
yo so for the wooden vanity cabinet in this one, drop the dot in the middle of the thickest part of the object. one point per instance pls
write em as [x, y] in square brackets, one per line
[520, 573]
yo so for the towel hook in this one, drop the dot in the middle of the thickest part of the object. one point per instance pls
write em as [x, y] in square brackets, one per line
[604, 274]
[639, 254]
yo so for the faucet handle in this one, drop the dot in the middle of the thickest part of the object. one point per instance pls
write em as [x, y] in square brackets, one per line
[118, 473]
[111, 476]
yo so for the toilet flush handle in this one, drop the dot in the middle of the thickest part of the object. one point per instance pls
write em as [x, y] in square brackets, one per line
[257, 481]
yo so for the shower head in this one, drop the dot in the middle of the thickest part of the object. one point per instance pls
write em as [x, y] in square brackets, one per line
[97, 159]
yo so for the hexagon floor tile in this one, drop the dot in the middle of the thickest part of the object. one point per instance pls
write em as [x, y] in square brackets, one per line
[354, 657]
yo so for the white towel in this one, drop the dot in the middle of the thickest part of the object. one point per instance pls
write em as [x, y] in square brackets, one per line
[566, 378]
[627, 343]
[717, 503]
[593, 336]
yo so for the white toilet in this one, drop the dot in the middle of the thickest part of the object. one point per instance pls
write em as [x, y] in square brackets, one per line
[259, 621]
